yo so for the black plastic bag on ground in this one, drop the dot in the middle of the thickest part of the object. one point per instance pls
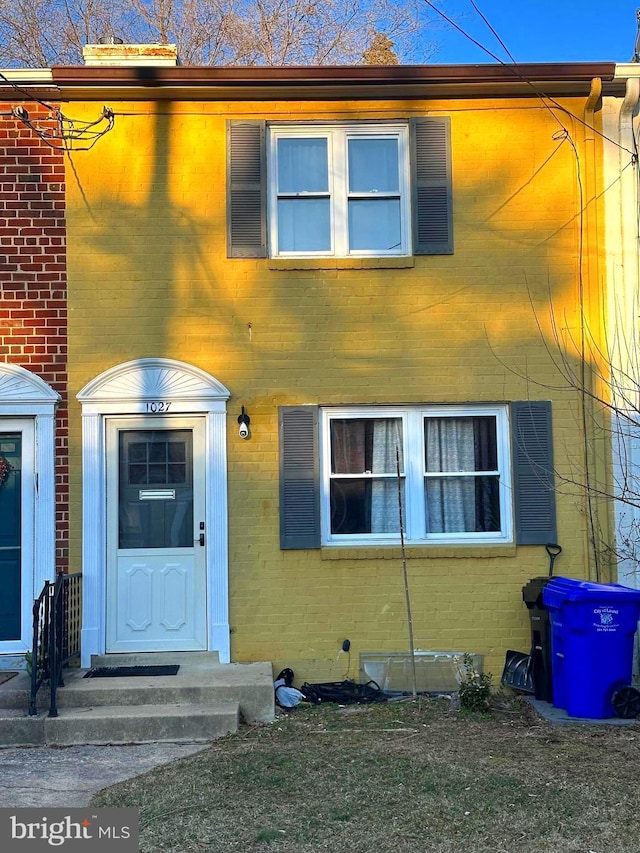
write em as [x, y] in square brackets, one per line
[343, 692]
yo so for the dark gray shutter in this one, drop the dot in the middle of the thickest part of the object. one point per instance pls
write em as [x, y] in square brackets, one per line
[534, 492]
[432, 197]
[246, 189]
[299, 477]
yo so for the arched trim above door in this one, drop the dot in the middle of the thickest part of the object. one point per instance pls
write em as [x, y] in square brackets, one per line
[24, 393]
[149, 379]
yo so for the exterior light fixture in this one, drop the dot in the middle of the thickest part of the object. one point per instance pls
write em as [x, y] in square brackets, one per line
[244, 420]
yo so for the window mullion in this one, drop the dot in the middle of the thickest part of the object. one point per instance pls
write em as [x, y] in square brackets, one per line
[338, 174]
[414, 491]
[504, 473]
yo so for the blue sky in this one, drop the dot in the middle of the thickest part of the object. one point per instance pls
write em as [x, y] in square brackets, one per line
[540, 30]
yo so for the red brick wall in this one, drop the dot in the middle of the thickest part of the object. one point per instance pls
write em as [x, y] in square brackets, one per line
[33, 276]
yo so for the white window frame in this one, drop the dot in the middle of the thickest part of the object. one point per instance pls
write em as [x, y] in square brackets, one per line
[414, 509]
[337, 137]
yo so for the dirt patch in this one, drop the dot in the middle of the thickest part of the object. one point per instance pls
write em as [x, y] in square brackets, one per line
[5, 676]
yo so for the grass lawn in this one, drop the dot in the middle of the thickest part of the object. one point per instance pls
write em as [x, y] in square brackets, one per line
[401, 776]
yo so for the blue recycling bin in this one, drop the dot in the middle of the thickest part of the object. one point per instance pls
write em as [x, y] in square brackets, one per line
[592, 630]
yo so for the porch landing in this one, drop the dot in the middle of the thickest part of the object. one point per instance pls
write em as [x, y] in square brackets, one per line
[203, 701]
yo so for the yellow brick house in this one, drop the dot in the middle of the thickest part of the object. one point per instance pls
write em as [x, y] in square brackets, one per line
[381, 275]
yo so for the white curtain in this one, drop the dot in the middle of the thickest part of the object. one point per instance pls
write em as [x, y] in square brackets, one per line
[303, 223]
[373, 165]
[302, 165]
[450, 500]
[384, 493]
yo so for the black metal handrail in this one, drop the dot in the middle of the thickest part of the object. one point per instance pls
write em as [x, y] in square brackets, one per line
[56, 636]
[38, 659]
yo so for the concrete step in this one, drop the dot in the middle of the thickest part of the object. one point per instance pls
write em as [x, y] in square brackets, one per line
[17, 729]
[203, 701]
[117, 724]
[250, 685]
[185, 659]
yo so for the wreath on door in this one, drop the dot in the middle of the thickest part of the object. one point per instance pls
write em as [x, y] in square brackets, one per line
[5, 470]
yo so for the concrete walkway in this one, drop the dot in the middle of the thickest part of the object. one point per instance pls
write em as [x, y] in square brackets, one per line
[559, 717]
[68, 777]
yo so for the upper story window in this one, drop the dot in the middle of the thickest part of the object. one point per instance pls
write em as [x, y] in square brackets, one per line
[339, 191]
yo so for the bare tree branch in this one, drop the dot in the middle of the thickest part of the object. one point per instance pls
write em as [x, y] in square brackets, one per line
[39, 33]
[599, 367]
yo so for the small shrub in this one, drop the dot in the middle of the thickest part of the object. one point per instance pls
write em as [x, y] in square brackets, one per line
[475, 687]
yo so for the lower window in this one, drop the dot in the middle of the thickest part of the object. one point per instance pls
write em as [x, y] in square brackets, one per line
[441, 472]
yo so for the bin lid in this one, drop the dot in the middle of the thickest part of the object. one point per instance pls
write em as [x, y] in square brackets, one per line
[562, 590]
[532, 591]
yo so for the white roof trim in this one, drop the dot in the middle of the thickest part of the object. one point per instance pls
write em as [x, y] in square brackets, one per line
[627, 69]
[25, 76]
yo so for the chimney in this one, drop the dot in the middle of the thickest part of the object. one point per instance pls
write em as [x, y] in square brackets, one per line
[112, 51]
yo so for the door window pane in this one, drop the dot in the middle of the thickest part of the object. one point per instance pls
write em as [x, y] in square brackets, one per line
[156, 489]
[157, 462]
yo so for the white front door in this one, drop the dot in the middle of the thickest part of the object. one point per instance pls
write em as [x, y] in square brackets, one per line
[156, 538]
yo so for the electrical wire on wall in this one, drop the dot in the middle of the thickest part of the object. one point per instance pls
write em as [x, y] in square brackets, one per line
[57, 130]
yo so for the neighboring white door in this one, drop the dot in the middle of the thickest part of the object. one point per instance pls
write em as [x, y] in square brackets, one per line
[156, 542]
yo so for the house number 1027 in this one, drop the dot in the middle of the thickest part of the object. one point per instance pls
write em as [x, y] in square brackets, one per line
[157, 406]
